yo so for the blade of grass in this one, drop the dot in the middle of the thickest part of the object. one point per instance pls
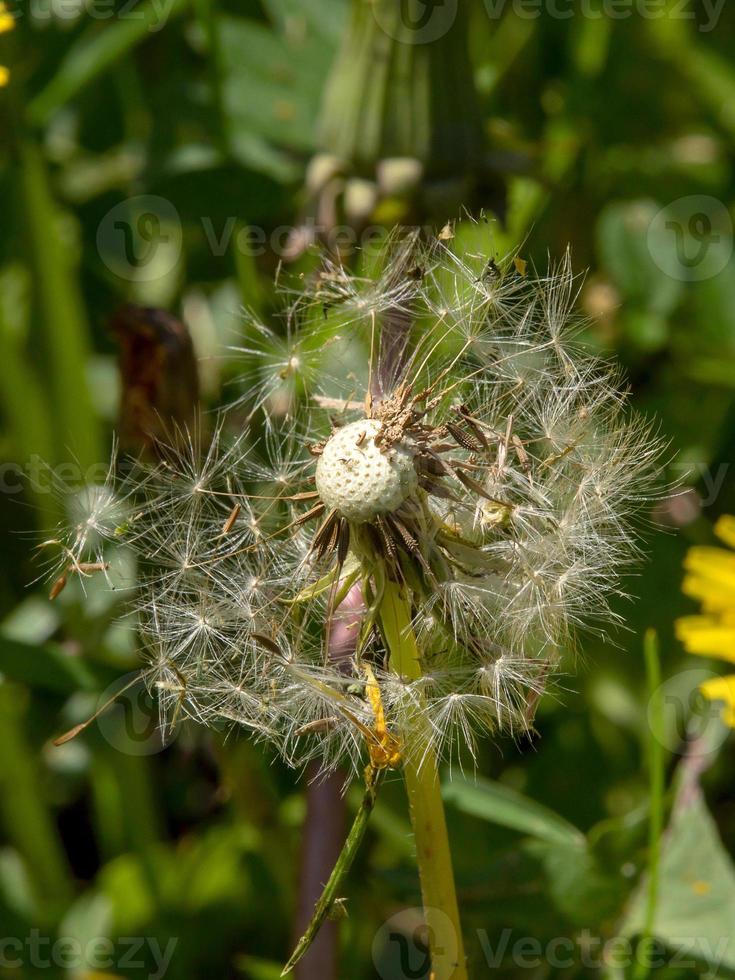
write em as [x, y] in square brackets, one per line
[656, 774]
[126, 813]
[96, 50]
[61, 312]
[206, 11]
[49, 668]
[505, 806]
[28, 823]
[252, 292]
[24, 406]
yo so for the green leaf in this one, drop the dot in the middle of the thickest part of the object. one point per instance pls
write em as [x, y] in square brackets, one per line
[22, 397]
[34, 620]
[325, 18]
[505, 806]
[24, 812]
[581, 889]
[259, 969]
[272, 84]
[47, 668]
[695, 910]
[714, 301]
[96, 50]
[713, 78]
[648, 331]
[86, 920]
[625, 251]
[16, 889]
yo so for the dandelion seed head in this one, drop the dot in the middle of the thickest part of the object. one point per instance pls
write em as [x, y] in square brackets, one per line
[435, 425]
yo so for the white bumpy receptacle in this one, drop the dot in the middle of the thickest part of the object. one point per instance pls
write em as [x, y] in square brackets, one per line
[361, 480]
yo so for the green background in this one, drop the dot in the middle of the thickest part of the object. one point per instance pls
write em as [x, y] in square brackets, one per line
[613, 132]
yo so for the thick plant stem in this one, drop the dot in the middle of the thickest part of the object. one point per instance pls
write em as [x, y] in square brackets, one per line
[389, 92]
[427, 810]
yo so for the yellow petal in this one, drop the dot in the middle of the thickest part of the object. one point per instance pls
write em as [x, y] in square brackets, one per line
[710, 576]
[707, 636]
[4, 76]
[725, 529]
[7, 22]
[711, 592]
[706, 560]
[722, 689]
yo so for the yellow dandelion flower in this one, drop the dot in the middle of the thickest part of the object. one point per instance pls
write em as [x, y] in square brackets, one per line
[710, 578]
[7, 23]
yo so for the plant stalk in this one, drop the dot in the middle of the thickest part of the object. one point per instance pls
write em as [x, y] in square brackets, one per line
[330, 892]
[657, 778]
[420, 770]
[389, 92]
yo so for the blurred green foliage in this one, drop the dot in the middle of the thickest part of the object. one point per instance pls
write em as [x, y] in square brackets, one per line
[613, 134]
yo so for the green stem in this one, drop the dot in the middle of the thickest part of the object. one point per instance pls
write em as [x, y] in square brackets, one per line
[208, 18]
[330, 893]
[25, 814]
[60, 311]
[425, 803]
[389, 96]
[656, 765]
